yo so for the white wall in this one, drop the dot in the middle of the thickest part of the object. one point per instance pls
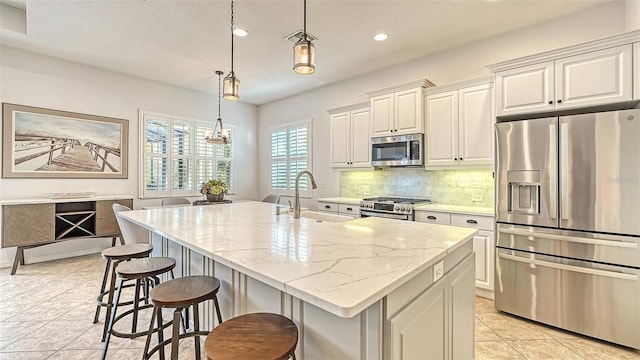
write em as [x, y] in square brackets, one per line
[442, 68]
[37, 80]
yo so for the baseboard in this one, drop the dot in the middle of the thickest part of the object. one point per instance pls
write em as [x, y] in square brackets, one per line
[484, 293]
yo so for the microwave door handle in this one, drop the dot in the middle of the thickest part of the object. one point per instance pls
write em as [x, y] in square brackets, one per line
[564, 172]
[553, 164]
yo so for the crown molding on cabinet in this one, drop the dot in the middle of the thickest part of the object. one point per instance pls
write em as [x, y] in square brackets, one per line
[349, 108]
[611, 41]
[423, 83]
[460, 85]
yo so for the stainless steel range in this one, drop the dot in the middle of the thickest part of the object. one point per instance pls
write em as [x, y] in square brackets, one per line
[390, 207]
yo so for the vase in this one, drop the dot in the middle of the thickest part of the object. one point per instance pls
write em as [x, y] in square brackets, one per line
[215, 198]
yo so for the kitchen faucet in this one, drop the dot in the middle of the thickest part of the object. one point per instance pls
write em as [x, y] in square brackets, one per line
[296, 202]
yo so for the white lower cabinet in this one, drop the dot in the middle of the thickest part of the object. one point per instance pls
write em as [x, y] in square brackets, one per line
[438, 323]
[636, 71]
[483, 243]
[339, 209]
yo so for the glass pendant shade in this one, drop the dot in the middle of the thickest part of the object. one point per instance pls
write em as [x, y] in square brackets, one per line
[231, 87]
[304, 57]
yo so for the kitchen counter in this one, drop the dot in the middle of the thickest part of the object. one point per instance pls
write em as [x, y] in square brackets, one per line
[330, 275]
[460, 209]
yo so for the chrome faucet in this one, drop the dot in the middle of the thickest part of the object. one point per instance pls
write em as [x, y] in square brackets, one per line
[296, 203]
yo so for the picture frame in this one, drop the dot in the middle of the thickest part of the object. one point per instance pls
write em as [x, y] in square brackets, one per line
[46, 143]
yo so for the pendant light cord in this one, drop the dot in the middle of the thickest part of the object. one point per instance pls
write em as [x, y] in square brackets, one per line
[219, 90]
[231, 36]
[304, 31]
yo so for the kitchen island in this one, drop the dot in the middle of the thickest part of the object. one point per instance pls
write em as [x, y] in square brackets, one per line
[358, 289]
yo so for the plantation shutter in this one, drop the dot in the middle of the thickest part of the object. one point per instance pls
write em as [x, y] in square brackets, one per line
[224, 160]
[182, 158]
[290, 153]
[156, 147]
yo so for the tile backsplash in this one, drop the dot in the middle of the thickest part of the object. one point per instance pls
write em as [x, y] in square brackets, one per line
[456, 187]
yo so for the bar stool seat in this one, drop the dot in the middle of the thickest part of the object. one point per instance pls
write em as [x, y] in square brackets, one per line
[180, 293]
[263, 336]
[114, 256]
[143, 271]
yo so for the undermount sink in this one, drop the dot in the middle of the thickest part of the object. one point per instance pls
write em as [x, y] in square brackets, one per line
[320, 216]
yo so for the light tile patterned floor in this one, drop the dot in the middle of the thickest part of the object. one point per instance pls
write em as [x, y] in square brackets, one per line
[46, 312]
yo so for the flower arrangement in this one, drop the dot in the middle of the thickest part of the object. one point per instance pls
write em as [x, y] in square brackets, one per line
[214, 186]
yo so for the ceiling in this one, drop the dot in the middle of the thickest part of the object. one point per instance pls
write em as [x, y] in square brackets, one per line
[182, 42]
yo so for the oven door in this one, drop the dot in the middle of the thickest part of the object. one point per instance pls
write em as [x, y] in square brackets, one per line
[387, 215]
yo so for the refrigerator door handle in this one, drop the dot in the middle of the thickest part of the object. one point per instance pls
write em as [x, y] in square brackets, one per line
[580, 240]
[553, 179]
[552, 265]
[564, 172]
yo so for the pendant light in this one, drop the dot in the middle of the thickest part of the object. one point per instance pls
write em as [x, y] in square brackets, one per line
[304, 53]
[219, 136]
[231, 83]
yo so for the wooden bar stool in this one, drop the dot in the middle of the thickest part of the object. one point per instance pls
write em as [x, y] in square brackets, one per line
[114, 256]
[180, 294]
[143, 271]
[263, 336]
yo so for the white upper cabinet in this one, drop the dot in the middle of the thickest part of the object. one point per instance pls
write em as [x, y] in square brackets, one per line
[595, 78]
[636, 71]
[459, 125]
[350, 137]
[525, 90]
[595, 73]
[398, 110]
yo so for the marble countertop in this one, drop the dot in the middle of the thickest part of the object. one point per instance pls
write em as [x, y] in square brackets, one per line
[342, 200]
[49, 200]
[341, 267]
[461, 209]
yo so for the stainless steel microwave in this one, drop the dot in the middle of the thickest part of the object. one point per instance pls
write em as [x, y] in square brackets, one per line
[397, 150]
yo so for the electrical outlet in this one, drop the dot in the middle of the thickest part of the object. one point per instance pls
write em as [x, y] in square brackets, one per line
[477, 197]
[323, 185]
[438, 271]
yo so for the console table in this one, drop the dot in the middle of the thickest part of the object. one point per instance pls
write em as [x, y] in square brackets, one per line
[30, 223]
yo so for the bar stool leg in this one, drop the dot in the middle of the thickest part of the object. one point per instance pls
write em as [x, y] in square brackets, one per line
[215, 302]
[104, 283]
[175, 337]
[136, 301]
[196, 328]
[160, 333]
[111, 320]
[110, 301]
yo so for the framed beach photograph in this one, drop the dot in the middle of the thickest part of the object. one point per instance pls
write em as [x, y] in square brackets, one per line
[45, 143]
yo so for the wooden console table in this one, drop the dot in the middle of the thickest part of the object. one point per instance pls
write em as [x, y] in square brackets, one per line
[36, 222]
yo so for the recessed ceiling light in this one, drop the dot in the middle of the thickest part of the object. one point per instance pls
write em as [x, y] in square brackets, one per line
[240, 32]
[380, 37]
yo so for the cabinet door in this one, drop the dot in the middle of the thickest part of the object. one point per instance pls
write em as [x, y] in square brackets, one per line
[525, 90]
[360, 139]
[636, 71]
[475, 125]
[595, 78]
[419, 331]
[442, 129]
[483, 246]
[408, 112]
[28, 224]
[340, 156]
[382, 115]
[462, 299]
[106, 223]
[328, 207]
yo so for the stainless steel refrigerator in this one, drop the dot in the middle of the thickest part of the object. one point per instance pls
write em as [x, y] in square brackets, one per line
[568, 223]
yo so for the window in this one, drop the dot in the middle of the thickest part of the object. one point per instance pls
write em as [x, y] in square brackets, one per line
[177, 159]
[290, 153]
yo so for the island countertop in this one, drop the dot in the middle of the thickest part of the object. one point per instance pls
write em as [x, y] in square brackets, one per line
[341, 267]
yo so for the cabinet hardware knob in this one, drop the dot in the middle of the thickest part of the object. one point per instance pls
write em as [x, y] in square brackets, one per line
[455, 158]
[349, 209]
[559, 101]
[471, 221]
[550, 102]
[327, 206]
[461, 159]
[431, 217]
